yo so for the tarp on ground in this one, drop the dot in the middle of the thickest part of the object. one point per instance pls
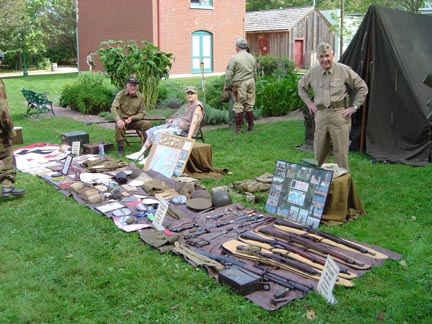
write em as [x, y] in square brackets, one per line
[392, 51]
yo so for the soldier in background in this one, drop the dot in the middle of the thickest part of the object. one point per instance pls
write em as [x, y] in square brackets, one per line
[7, 168]
[331, 83]
[128, 110]
[240, 77]
[90, 61]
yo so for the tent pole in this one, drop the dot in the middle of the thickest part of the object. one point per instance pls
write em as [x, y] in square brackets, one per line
[366, 104]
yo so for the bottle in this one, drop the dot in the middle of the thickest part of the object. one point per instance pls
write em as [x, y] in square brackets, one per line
[101, 150]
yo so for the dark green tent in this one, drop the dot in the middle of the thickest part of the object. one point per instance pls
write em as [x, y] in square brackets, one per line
[392, 51]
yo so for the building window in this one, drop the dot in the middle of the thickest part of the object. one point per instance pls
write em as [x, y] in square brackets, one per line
[202, 51]
[201, 4]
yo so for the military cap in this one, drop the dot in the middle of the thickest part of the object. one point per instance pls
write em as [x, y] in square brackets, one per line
[132, 79]
[324, 48]
[242, 43]
[191, 89]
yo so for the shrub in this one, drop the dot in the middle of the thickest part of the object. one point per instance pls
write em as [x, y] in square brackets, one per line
[277, 96]
[147, 62]
[171, 102]
[214, 90]
[90, 94]
[44, 64]
[171, 93]
[215, 116]
[274, 66]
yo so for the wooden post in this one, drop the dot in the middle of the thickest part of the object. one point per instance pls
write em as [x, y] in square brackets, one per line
[341, 28]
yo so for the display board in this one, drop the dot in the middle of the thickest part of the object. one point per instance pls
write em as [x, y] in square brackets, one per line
[170, 155]
[299, 192]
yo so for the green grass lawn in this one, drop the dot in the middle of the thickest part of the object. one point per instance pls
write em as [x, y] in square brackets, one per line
[61, 262]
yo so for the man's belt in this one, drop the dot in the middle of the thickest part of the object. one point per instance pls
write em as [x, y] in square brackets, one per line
[337, 104]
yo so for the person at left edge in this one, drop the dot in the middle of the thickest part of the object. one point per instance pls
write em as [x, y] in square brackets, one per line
[7, 168]
[128, 110]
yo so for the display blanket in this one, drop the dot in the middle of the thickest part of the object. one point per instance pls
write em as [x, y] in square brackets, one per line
[268, 260]
[299, 192]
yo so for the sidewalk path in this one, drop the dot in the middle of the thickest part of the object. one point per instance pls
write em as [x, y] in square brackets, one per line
[59, 70]
[65, 112]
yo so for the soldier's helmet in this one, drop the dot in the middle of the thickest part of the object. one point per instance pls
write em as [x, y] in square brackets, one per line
[242, 43]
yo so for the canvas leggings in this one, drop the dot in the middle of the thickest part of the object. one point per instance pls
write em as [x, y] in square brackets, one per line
[7, 168]
[243, 95]
[140, 125]
[332, 131]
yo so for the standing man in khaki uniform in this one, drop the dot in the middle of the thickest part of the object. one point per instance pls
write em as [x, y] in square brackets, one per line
[240, 78]
[330, 83]
[128, 110]
[7, 168]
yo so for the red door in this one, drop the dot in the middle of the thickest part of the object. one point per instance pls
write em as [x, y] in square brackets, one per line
[298, 53]
[263, 44]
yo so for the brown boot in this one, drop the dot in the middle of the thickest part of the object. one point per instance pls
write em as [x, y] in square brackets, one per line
[120, 149]
[250, 120]
[239, 122]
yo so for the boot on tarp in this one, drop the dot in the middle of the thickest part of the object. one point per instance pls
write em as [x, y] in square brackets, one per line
[120, 149]
[239, 122]
[12, 192]
[250, 120]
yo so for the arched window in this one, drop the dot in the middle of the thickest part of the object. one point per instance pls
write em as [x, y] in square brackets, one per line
[202, 51]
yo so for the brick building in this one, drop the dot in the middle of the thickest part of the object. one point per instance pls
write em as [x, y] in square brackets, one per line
[194, 31]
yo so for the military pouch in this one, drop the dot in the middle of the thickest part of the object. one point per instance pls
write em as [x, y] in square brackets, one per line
[242, 281]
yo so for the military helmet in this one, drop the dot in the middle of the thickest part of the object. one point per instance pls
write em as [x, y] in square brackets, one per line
[242, 43]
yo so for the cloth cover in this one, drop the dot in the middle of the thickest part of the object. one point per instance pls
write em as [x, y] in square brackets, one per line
[343, 202]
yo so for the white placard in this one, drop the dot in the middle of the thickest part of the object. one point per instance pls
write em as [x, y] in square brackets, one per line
[109, 207]
[76, 148]
[328, 280]
[160, 215]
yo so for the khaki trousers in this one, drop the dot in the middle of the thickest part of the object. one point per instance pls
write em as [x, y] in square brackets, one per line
[7, 168]
[243, 95]
[141, 125]
[332, 129]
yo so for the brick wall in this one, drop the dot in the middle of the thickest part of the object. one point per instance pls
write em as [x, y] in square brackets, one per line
[100, 20]
[179, 21]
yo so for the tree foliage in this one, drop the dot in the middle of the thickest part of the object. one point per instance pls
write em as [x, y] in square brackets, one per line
[42, 28]
[351, 6]
[147, 62]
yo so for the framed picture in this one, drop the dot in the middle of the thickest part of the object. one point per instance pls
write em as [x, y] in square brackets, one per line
[299, 192]
[67, 165]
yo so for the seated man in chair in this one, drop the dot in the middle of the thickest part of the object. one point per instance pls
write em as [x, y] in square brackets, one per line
[185, 125]
[128, 110]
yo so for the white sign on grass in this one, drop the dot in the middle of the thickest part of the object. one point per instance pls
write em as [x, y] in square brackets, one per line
[328, 280]
[160, 215]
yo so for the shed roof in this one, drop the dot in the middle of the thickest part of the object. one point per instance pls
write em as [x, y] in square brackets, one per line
[275, 19]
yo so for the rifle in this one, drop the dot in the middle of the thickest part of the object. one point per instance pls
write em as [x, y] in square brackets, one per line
[150, 118]
[264, 273]
[323, 234]
[252, 250]
[320, 247]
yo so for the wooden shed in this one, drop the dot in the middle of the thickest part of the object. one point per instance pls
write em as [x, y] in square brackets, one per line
[292, 32]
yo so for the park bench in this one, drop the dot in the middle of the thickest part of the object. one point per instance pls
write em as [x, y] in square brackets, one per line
[37, 103]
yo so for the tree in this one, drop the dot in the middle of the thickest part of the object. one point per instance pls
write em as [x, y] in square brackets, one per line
[412, 5]
[148, 63]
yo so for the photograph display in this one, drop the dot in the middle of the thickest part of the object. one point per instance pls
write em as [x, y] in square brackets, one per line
[170, 155]
[299, 192]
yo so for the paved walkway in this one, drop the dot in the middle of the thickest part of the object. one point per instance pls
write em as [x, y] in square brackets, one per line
[59, 70]
[65, 112]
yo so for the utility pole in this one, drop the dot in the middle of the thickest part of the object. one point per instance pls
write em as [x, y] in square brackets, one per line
[341, 28]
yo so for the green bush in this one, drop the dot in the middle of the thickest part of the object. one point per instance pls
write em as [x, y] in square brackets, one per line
[274, 66]
[215, 116]
[90, 94]
[214, 90]
[44, 64]
[171, 93]
[277, 96]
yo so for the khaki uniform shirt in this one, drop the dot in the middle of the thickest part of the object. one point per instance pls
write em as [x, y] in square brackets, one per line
[6, 125]
[242, 66]
[332, 86]
[125, 106]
